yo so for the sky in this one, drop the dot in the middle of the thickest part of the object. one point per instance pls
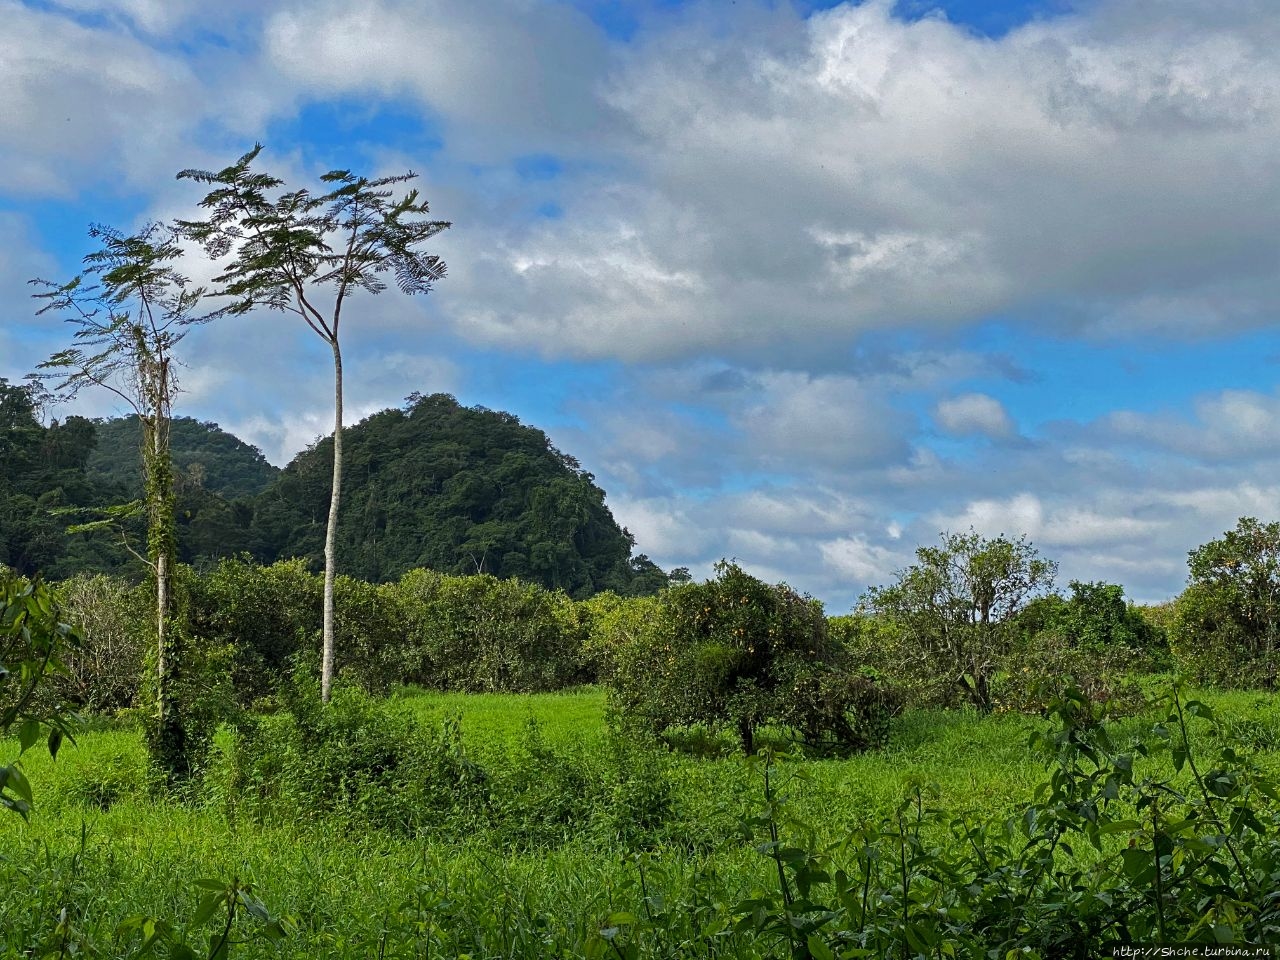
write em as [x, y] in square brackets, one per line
[803, 284]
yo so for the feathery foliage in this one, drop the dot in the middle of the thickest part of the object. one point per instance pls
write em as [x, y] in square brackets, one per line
[306, 252]
[130, 308]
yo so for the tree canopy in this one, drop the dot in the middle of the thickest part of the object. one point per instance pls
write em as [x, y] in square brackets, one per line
[203, 453]
[958, 604]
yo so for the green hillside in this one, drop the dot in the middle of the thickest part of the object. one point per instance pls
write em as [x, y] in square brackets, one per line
[459, 490]
[203, 453]
[438, 485]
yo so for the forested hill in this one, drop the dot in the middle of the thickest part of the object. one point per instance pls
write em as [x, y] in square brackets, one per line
[460, 490]
[203, 452]
[436, 485]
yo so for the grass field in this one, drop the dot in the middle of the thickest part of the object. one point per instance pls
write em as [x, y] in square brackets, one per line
[99, 848]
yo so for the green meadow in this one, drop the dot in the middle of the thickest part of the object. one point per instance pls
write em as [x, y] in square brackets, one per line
[100, 847]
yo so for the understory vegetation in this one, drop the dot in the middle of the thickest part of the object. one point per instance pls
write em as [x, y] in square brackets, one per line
[971, 764]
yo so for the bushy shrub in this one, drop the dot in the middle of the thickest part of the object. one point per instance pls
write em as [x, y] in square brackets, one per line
[1095, 616]
[610, 625]
[1042, 670]
[736, 652]
[1227, 622]
[362, 763]
[371, 634]
[202, 687]
[839, 709]
[881, 648]
[480, 633]
[104, 673]
[357, 762]
[1210, 645]
[266, 615]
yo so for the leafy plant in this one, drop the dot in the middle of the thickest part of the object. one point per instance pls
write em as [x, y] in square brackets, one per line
[221, 906]
[1185, 858]
[738, 652]
[956, 609]
[1227, 623]
[34, 638]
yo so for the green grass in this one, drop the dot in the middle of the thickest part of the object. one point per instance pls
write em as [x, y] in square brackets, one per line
[497, 719]
[99, 846]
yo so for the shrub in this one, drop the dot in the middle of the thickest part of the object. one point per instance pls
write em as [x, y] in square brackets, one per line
[483, 634]
[1183, 852]
[371, 635]
[104, 673]
[266, 615]
[1095, 617]
[1227, 621]
[357, 762]
[610, 625]
[1042, 670]
[881, 648]
[735, 652]
[838, 709]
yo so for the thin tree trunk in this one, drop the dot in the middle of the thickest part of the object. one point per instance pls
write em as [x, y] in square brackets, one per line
[331, 531]
[162, 658]
[157, 493]
[170, 746]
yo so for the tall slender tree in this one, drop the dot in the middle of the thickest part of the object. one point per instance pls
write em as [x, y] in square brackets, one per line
[306, 253]
[130, 308]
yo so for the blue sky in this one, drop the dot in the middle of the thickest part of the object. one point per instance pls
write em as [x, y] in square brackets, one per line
[802, 283]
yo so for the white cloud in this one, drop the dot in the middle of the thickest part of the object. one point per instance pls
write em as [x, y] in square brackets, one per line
[72, 93]
[854, 171]
[511, 75]
[860, 561]
[795, 419]
[972, 413]
[746, 194]
[1228, 425]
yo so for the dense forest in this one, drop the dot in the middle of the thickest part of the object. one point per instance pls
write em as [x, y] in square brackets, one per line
[438, 485]
[204, 453]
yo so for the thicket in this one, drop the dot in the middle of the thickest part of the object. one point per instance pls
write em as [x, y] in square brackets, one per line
[1226, 626]
[248, 626]
[365, 763]
[739, 653]
[733, 652]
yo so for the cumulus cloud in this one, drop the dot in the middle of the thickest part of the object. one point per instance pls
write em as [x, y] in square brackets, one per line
[506, 76]
[973, 413]
[860, 561]
[1228, 425]
[795, 418]
[854, 170]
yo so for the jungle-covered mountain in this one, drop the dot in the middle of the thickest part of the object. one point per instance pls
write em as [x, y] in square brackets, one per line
[436, 484]
[460, 490]
[202, 452]
[43, 481]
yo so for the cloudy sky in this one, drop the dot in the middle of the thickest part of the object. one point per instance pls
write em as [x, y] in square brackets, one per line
[801, 283]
